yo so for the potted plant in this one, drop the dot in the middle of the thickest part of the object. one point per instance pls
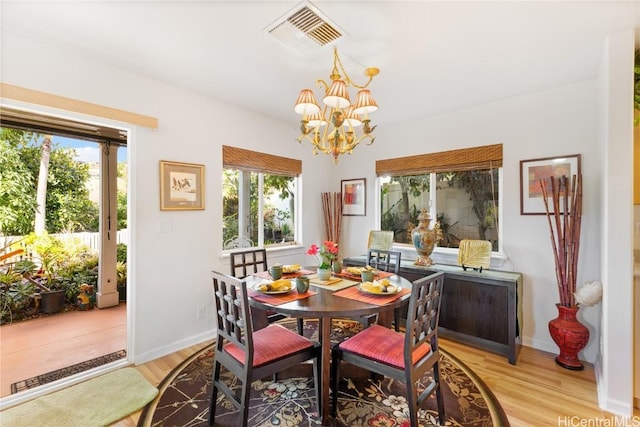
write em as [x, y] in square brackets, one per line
[45, 280]
[324, 256]
[564, 217]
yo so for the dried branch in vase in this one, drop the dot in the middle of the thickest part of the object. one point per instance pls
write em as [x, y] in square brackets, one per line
[564, 225]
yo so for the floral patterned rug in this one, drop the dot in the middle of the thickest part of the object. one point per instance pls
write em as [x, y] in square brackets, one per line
[184, 396]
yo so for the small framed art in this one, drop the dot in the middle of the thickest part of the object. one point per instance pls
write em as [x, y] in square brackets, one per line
[181, 186]
[354, 196]
[532, 171]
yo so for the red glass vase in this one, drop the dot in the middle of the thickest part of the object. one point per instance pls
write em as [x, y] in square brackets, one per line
[570, 336]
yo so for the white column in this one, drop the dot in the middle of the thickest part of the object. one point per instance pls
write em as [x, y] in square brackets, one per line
[107, 294]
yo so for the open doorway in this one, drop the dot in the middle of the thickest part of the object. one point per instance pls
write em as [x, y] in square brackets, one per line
[86, 203]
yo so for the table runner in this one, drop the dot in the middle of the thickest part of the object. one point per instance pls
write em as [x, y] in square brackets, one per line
[355, 293]
[278, 298]
[266, 275]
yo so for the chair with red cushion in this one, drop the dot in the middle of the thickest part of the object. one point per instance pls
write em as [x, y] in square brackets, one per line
[405, 357]
[251, 355]
[252, 261]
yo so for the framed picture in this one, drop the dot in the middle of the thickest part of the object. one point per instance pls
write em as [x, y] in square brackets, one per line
[532, 171]
[181, 186]
[354, 196]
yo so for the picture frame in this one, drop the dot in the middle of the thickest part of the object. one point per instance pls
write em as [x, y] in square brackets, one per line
[181, 186]
[354, 197]
[531, 171]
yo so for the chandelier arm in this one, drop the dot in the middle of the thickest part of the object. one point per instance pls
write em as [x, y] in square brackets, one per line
[322, 83]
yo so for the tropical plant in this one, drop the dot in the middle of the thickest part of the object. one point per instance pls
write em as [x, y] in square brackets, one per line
[15, 293]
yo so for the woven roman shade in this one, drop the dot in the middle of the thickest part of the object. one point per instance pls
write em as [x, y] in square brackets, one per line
[239, 158]
[485, 157]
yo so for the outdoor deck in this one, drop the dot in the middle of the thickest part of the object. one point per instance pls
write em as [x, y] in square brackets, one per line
[35, 347]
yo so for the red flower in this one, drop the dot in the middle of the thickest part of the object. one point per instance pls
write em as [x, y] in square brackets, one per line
[324, 255]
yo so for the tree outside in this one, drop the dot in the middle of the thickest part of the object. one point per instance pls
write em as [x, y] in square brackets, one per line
[68, 206]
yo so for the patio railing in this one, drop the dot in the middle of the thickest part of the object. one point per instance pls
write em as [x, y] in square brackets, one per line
[92, 240]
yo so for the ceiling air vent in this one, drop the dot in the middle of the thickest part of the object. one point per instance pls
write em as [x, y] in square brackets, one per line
[304, 28]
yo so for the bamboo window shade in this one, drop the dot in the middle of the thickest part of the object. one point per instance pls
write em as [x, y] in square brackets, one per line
[239, 158]
[484, 157]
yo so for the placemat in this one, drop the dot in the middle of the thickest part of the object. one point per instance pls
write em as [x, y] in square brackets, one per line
[279, 298]
[354, 293]
[266, 275]
[333, 284]
[378, 275]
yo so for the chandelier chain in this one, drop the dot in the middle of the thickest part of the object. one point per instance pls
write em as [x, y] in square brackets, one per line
[337, 60]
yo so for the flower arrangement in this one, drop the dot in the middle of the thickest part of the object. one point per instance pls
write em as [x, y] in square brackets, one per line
[325, 254]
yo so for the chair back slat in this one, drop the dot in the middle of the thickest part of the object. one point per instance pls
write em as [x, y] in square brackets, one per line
[384, 260]
[423, 314]
[248, 262]
[233, 314]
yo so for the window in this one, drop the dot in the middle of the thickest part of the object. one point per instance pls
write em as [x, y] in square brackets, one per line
[459, 188]
[258, 199]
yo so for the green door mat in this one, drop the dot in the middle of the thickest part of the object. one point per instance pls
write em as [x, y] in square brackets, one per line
[100, 401]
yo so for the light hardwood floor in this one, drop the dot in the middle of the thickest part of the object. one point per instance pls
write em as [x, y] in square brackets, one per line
[535, 392]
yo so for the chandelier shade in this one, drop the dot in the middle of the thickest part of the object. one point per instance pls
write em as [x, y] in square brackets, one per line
[306, 103]
[338, 95]
[351, 118]
[339, 126]
[316, 120]
[365, 103]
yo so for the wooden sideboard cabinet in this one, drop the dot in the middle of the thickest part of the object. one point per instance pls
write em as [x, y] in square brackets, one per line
[479, 309]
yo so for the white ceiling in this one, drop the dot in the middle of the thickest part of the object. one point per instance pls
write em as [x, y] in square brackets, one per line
[434, 56]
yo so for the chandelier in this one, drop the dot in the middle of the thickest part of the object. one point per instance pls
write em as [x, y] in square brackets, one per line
[345, 118]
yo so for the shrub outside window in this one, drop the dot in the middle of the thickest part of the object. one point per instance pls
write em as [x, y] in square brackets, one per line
[258, 198]
[465, 204]
[460, 189]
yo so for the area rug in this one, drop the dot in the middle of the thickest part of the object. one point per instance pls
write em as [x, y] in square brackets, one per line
[100, 401]
[184, 396]
[67, 371]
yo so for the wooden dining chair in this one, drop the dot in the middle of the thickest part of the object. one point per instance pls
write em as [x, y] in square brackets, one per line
[386, 260]
[405, 357]
[252, 355]
[252, 261]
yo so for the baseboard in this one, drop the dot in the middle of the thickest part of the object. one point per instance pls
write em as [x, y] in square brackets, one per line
[156, 353]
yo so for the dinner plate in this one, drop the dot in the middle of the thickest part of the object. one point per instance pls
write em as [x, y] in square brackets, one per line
[356, 271]
[370, 292]
[291, 268]
[257, 286]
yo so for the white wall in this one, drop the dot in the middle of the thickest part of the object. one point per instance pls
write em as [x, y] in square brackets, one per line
[170, 271]
[565, 120]
[555, 122]
[616, 149]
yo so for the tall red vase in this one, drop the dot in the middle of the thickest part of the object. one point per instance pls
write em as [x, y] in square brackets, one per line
[570, 336]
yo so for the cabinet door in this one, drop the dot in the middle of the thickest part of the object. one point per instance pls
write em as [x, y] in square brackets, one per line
[475, 308]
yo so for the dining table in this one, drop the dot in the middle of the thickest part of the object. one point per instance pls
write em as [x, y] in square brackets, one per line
[338, 297]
